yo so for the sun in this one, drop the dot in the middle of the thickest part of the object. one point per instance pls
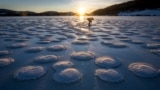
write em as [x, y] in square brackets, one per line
[81, 11]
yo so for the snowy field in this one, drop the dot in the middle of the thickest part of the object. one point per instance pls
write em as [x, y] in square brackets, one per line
[62, 53]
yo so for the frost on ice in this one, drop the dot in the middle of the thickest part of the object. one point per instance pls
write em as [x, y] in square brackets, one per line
[114, 44]
[107, 62]
[82, 56]
[57, 48]
[34, 49]
[152, 46]
[80, 42]
[136, 41]
[5, 52]
[155, 51]
[29, 72]
[143, 70]
[62, 65]
[69, 75]
[46, 59]
[109, 75]
[118, 45]
[6, 61]
[17, 45]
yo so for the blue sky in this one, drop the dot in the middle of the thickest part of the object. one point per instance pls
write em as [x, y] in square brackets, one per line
[56, 5]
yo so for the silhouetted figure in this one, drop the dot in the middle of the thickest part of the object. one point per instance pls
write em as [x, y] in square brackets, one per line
[90, 21]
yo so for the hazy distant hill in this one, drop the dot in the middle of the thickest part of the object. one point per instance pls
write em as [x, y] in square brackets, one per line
[5, 12]
[135, 5]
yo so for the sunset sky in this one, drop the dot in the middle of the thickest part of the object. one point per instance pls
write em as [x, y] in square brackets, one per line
[56, 5]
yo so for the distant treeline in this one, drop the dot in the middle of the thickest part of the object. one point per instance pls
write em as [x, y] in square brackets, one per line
[5, 12]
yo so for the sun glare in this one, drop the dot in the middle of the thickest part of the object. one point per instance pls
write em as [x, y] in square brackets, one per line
[81, 11]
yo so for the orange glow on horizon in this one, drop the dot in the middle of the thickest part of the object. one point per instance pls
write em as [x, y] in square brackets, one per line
[81, 11]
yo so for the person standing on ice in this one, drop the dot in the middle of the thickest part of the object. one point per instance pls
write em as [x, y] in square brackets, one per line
[90, 21]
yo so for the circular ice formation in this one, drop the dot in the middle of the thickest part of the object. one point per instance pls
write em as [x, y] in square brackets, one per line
[118, 45]
[62, 65]
[109, 75]
[93, 39]
[44, 42]
[71, 36]
[57, 48]
[46, 59]
[61, 38]
[56, 40]
[82, 56]
[137, 42]
[82, 38]
[5, 52]
[152, 46]
[107, 38]
[17, 45]
[29, 72]
[121, 36]
[6, 61]
[156, 39]
[155, 51]
[125, 40]
[80, 42]
[106, 43]
[143, 70]
[34, 49]
[114, 44]
[67, 76]
[107, 62]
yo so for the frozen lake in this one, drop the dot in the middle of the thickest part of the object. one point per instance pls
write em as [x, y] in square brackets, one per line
[62, 53]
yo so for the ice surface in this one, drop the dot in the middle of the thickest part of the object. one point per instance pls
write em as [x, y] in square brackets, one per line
[114, 44]
[69, 75]
[34, 49]
[82, 55]
[125, 40]
[109, 75]
[143, 70]
[55, 40]
[80, 42]
[46, 59]
[44, 42]
[17, 45]
[155, 51]
[137, 41]
[107, 62]
[118, 45]
[4, 52]
[6, 61]
[106, 43]
[107, 38]
[141, 36]
[29, 72]
[93, 39]
[62, 65]
[152, 46]
[56, 48]
[21, 40]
